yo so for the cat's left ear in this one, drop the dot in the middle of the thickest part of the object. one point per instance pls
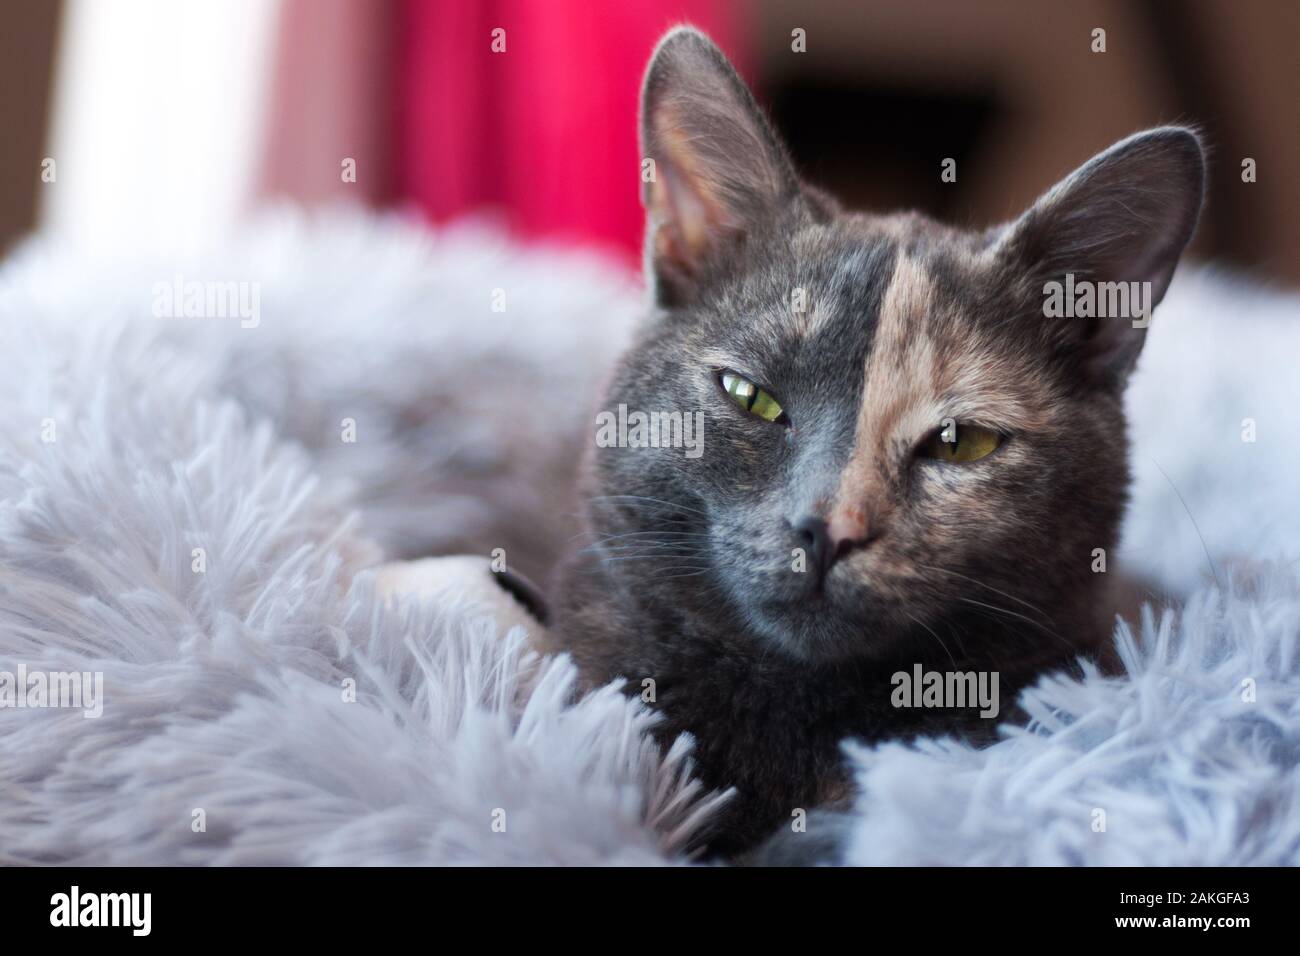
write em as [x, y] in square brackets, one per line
[1125, 216]
[718, 172]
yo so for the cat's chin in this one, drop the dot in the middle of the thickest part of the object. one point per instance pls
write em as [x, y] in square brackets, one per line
[812, 629]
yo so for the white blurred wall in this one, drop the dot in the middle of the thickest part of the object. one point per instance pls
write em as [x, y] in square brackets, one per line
[158, 120]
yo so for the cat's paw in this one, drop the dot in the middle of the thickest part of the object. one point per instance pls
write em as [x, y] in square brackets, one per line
[469, 584]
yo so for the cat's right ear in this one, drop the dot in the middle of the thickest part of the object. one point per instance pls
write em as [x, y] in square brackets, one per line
[712, 169]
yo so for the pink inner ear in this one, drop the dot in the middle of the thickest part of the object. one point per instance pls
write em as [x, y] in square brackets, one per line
[686, 225]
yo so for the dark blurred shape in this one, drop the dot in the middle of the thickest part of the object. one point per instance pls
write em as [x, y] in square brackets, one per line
[908, 128]
[1013, 90]
[26, 81]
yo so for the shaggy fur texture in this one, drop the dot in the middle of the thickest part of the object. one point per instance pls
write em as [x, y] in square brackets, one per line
[224, 689]
[1167, 765]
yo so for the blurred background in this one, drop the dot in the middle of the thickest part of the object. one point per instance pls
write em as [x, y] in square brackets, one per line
[166, 121]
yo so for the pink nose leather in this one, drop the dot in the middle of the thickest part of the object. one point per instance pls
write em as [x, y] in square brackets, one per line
[848, 526]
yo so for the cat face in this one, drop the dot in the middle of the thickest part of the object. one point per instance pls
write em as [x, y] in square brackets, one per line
[899, 440]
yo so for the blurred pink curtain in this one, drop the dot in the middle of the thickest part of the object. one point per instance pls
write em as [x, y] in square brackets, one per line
[332, 99]
[546, 129]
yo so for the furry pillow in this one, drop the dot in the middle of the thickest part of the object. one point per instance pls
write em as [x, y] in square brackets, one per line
[230, 731]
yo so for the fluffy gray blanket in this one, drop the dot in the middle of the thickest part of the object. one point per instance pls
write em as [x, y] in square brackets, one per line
[190, 508]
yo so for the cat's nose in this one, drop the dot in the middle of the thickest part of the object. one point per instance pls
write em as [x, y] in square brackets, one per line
[825, 543]
[822, 550]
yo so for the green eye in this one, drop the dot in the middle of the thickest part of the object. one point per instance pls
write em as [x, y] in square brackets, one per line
[750, 397]
[970, 443]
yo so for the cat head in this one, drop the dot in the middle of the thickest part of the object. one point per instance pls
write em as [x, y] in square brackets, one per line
[907, 427]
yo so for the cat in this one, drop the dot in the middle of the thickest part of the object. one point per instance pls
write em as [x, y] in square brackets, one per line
[905, 460]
